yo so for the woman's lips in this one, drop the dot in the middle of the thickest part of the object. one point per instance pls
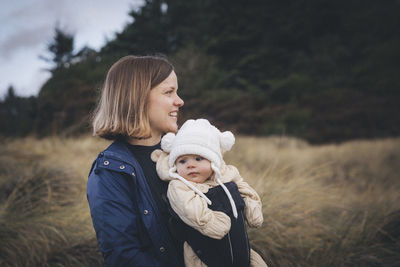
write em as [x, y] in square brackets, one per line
[173, 114]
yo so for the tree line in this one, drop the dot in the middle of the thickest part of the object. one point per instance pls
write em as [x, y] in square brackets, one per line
[325, 71]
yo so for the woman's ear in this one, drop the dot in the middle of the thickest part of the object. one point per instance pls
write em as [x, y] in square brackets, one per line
[166, 142]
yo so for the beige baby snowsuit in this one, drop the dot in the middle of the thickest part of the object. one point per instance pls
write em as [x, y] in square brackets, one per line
[194, 211]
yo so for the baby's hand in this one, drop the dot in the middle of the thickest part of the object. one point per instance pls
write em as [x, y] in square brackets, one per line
[219, 226]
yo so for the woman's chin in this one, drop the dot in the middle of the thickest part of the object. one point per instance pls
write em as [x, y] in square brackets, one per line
[173, 128]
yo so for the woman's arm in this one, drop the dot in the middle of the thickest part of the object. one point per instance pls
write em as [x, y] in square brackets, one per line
[115, 218]
[193, 210]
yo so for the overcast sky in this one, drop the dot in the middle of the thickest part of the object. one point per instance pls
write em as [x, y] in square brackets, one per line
[27, 26]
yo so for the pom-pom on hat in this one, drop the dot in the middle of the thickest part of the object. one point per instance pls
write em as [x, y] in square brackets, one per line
[199, 137]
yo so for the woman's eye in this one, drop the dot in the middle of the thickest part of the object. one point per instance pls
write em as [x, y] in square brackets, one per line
[169, 92]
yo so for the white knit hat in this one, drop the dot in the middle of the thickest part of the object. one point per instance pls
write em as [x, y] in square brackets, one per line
[199, 137]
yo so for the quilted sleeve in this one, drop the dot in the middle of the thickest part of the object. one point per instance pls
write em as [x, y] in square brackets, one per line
[253, 208]
[193, 210]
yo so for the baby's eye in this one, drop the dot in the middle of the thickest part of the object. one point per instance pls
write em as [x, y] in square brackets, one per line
[181, 161]
[199, 158]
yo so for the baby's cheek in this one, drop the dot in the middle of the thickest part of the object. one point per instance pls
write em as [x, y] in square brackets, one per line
[178, 168]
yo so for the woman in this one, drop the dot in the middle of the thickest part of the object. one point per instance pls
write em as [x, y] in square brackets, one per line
[139, 104]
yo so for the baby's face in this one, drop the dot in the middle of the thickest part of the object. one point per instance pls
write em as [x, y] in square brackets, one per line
[193, 168]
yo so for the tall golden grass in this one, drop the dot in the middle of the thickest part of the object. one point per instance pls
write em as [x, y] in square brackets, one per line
[328, 205]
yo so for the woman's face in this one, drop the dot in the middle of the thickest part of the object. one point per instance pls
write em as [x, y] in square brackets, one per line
[163, 108]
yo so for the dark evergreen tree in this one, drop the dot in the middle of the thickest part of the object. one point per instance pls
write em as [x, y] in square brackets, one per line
[318, 69]
[17, 114]
[61, 49]
[147, 34]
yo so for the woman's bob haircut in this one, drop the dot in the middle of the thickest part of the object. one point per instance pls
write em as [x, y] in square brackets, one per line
[122, 109]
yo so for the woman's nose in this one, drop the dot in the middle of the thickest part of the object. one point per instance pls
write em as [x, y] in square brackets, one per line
[178, 101]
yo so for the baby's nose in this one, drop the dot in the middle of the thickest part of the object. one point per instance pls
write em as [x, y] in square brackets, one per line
[190, 164]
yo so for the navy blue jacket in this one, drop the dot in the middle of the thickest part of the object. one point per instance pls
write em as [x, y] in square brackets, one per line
[126, 219]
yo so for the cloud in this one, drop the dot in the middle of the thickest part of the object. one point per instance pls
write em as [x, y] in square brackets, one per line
[26, 26]
[29, 24]
[38, 10]
[24, 39]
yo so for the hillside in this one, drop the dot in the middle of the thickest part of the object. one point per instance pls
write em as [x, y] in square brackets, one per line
[325, 71]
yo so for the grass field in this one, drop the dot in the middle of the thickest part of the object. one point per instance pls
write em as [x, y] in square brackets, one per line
[328, 205]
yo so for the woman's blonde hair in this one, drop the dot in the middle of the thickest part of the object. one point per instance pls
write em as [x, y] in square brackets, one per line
[122, 109]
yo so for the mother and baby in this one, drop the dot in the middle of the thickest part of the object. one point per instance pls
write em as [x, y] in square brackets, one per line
[159, 195]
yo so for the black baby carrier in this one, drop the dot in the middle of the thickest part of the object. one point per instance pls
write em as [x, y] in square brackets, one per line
[233, 250]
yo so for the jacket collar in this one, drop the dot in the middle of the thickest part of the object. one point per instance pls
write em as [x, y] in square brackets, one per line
[118, 150]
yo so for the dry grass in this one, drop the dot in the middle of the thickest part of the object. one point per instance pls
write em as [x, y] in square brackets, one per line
[44, 217]
[331, 205]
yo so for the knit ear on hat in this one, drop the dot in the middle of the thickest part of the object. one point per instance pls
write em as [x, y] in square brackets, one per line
[227, 140]
[166, 142]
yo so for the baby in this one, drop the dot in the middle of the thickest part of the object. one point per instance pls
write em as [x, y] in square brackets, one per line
[209, 198]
